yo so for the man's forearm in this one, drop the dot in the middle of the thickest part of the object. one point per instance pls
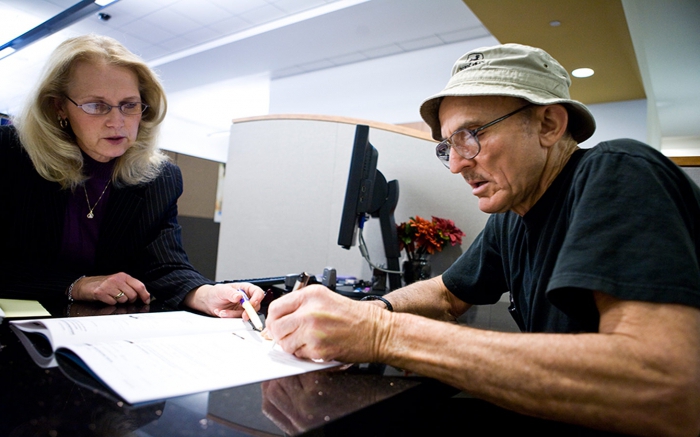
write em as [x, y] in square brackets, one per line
[429, 298]
[642, 384]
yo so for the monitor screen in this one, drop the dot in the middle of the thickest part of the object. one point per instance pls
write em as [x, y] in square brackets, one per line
[368, 194]
[360, 187]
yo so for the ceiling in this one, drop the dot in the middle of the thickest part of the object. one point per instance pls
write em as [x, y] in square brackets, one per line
[590, 33]
[638, 48]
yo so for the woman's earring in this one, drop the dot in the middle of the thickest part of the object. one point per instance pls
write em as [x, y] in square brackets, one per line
[63, 122]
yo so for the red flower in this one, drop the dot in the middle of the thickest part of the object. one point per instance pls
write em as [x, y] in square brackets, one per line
[448, 231]
[419, 236]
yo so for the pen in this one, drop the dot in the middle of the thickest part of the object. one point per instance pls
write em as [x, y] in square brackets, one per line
[252, 314]
[301, 282]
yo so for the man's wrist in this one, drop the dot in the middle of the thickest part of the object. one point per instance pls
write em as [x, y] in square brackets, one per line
[388, 304]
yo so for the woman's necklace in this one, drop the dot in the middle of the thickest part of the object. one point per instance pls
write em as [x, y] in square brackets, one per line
[92, 208]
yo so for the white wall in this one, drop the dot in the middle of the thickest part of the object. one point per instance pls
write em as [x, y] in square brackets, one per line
[199, 119]
[619, 120]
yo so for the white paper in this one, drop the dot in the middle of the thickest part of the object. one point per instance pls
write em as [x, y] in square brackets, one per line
[152, 356]
[68, 331]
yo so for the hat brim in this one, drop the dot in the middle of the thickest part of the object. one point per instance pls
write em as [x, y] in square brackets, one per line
[581, 121]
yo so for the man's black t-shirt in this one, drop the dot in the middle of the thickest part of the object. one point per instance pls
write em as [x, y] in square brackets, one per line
[620, 218]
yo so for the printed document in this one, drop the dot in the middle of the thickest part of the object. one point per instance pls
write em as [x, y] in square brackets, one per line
[153, 356]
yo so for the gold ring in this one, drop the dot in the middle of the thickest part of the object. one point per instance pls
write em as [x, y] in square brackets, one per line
[121, 293]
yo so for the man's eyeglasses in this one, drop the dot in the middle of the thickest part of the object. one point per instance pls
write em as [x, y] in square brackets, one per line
[99, 108]
[466, 142]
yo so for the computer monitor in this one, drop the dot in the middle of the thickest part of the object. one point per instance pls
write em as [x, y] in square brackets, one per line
[368, 194]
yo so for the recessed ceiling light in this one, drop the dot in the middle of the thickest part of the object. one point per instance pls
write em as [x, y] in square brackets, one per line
[583, 72]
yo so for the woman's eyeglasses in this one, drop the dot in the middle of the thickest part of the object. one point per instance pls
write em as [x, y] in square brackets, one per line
[99, 108]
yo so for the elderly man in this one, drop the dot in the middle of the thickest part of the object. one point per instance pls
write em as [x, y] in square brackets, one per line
[599, 249]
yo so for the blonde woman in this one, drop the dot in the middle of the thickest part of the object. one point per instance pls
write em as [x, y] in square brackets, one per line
[89, 203]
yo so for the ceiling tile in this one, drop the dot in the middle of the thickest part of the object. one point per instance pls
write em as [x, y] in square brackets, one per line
[175, 22]
[139, 8]
[176, 44]
[296, 6]
[203, 12]
[240, 6]
[463, 34]
[318, 65]
[133, 43]
[422, 43]
[151, 51]
[380, 52]
[349, 58]
[147, 31]
[286, 72]
[263, 14]
[92, 24]
[203, 35]
[231, 25]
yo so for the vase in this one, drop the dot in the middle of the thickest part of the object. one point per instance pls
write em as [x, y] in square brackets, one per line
[416, 270]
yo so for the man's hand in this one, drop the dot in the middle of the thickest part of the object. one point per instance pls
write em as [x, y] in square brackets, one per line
[112, 289]
[318, 324]
[223, 300]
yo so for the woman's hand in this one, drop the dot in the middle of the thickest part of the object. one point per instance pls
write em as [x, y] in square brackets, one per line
[112, 289]
[223, 300]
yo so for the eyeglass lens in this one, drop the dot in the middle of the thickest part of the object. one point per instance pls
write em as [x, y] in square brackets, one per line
[463, 141]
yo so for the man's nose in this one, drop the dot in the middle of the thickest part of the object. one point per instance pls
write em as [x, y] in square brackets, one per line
[457, 163]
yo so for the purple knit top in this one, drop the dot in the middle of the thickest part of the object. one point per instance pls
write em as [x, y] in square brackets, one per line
[80, 233]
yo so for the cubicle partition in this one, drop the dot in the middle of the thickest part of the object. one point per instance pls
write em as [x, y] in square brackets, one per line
[285, 186]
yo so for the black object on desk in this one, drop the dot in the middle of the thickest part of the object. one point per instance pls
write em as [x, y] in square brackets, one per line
[276, 286]
[260, 282]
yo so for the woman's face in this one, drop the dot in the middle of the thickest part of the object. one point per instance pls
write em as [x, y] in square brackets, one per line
[102, 137]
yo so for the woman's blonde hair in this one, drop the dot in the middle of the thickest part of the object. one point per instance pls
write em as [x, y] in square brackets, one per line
[54, 151]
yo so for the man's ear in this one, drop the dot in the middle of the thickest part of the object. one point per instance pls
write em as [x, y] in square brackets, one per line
[555, 120]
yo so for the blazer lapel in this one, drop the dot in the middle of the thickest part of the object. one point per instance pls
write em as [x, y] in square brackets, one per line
[52, 207]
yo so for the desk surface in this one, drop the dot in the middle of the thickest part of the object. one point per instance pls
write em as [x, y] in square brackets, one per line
[361, 400]
[36, 401]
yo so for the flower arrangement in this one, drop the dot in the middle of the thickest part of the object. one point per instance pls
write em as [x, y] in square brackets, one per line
[419, 236]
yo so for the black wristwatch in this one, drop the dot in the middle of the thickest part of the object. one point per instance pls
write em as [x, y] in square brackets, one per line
[386, 302]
